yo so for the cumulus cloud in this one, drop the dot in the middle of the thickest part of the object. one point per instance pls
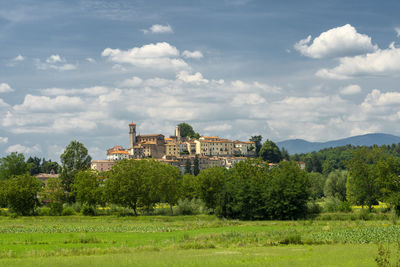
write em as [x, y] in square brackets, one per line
[397, 29]
[158, 28]
[158, 56]
[193, 54]
[379, 63]
[91, 60]
[218, 128]
[133, 82]
[351, 90]
[55, 62]
[191, 78]
[95, 90]
[336, 42]
[19, 58]
[45, 103]
[24, 149]
[3, 140]
[5, 88]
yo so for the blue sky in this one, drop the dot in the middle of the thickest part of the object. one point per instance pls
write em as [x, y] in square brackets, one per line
[81, 69]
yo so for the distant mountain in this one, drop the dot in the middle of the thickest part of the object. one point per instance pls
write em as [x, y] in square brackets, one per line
[302, 146]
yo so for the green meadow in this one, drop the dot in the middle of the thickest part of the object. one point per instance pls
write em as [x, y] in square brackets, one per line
[192, 241]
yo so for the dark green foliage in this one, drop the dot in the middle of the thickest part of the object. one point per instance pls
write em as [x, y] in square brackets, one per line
[196, 166]
[74, 159]
[12, 165]
[188, 167]
[210, 185]
[317, 181]
[53, 194]
[88, 188]
[48, 165]
[253, 192]
[186, 130]
[335, 185]
[257, 140]
[88, 210]
[188, 187]
[270, 152]
[34, 165]
[21, 194]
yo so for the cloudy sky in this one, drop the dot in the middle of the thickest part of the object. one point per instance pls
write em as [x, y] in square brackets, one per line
[84, 69]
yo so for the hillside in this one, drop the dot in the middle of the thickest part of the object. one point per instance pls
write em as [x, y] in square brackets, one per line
[303, 146]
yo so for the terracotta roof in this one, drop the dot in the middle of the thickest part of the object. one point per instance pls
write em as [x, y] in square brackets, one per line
[149, 135]
[244, 142]
[119, 152]
[132, 123]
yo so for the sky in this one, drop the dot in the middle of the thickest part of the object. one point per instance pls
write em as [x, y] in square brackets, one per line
[84, 69]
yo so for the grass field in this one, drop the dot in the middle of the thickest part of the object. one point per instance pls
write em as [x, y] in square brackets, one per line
[190, 241]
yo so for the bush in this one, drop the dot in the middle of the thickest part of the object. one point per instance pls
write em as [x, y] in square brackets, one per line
[332, 204]
[68, 211]
[313, 209]
[365, 215]
[294, 239]
[44, 211]
[190, 207]
[88, 210]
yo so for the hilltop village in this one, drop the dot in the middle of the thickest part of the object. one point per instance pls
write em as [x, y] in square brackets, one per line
[178, 151]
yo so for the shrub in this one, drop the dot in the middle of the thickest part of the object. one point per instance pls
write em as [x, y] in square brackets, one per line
[44, 211]
[68, 211]
[344, 206]
[88, 210]
[292, 239]
[313, 209]
[364, 215]
[332, 204]
[190, 207]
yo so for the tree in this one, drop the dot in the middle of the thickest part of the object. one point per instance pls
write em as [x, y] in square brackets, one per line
[170, 184]
[196, 165]
[317, 181]
[74, 159]
[188, 187]
[13, 165]
[22, 192]
[362, 182]
[285, 154]
[53, 193]
[48, 165]
[188, 167]
[210, 184]
[257, 141]
[34, 165]
[186, 130]
[335, 185]
[270, 152]
[87, 188]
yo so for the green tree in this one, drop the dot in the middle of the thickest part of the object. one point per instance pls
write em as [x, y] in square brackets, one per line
[53, 193]
[74, 159]
[317, 181]
[88, 188]
[257, 141]
[48, 165]
[196, 165]
[362, 182]
[12, 165]
[285, 154]
[335, 185]
[270, 152]
[210, 184]
[22, 194]
[188, 167]
[34, 165]
[188, 187]
[170, 185]
[186, 130]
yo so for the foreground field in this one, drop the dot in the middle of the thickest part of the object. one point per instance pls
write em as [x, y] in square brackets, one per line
[189, 241]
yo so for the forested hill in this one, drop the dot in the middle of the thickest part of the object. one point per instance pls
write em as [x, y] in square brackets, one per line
[302, 146]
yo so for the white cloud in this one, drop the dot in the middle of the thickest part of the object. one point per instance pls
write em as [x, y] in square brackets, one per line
[45, 103]
[336, 42]
[157, 28]
[91, 60]
[73, 123]
[158, 56]
[218, 128]
[239, 85]
[194, 54]
[19, 58]
[3, 140]
[195, 78]
[351, 90]
[55, 62]
[24, 149]
[5, 88]
[95, 90]
[379, 63]
[397, 29]
[133, 82]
